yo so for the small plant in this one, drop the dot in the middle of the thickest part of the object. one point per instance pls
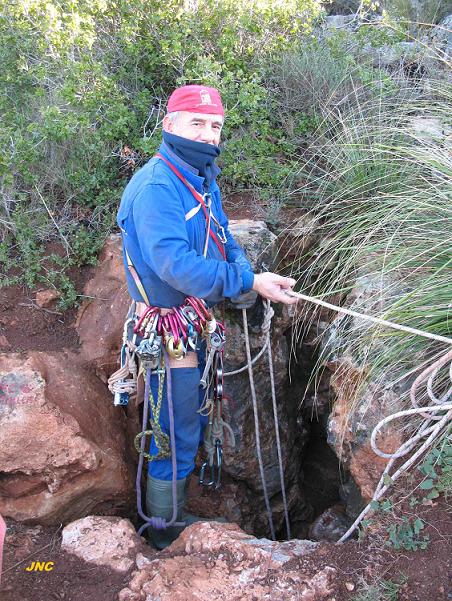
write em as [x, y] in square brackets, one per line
[407, 535]
[437, 467]
[384, 590]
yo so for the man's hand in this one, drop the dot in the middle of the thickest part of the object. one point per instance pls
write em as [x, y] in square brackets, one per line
[273, 286]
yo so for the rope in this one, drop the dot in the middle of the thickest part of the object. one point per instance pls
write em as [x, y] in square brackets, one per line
[256, 424]
[215, 431]
[376, 320]
[157, 522]
[161, 439]
[2, 540]
[432, 432]
[266, 325]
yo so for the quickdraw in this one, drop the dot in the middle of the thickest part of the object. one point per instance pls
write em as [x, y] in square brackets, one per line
[178, 329]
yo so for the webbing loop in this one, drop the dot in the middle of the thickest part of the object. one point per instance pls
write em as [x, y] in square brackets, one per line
[218, 239]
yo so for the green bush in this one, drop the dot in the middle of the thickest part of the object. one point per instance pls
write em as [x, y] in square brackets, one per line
[378, 191]
[82, 92]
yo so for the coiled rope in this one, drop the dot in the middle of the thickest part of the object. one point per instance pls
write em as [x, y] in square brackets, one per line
[432, 432]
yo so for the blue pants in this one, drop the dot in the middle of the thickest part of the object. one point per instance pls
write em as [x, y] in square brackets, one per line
[187, 396]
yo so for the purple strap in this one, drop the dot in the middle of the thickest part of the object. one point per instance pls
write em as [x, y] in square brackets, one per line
[157, 522]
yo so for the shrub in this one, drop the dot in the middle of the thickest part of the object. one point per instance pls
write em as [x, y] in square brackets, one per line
[82, 94]
[380, 193]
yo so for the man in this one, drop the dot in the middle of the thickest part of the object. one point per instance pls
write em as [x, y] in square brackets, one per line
[165, 215]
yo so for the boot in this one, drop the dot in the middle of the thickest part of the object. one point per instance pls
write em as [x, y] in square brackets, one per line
[159, 502]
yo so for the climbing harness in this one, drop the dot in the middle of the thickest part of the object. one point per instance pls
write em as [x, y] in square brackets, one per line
[219, 237]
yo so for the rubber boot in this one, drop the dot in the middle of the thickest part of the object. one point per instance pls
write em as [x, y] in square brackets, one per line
[159, 503]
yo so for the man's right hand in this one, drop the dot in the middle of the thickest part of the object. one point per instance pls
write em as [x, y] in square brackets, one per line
[273, 286]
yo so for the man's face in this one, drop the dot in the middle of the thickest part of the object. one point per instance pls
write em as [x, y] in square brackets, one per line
[196, 126]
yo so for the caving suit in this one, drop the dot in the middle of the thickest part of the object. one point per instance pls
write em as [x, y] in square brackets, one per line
[164, 229]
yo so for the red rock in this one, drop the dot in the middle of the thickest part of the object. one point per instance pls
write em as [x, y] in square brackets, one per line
[62, 443]
[219, 561]
[101, 316]
[4, 343]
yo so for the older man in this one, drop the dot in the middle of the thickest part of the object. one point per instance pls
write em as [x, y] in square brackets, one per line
[177, 245]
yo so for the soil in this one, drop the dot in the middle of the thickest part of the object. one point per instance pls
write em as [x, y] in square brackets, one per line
[26, 326]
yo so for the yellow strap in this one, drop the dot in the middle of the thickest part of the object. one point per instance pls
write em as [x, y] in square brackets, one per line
[136, 279]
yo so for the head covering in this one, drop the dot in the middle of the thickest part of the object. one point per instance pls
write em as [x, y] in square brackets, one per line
[199, 155]
[196, 99]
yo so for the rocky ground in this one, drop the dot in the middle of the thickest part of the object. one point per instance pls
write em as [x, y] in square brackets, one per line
[217, 561]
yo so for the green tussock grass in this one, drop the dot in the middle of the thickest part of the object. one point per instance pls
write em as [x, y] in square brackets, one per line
[378, 191]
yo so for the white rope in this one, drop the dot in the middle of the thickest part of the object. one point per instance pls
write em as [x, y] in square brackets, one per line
[120, 381]
[256, 424]
[432, 432]
[426, 429]
[377, 320]
[266, 325]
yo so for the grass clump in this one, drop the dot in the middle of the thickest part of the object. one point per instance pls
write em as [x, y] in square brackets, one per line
[378, 186]
[384, 590]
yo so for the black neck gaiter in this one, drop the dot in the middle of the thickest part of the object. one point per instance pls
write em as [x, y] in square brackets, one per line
[199, 155]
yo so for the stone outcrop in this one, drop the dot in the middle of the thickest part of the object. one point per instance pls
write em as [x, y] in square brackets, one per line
[357, 410]
[62, 444]
[101, 316]
[105, 541]
[219, 561]
[330, 525]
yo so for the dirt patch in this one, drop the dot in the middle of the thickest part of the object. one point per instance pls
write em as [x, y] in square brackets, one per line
[70, 578]
[426, 572]
[25, 326]
[243, 206]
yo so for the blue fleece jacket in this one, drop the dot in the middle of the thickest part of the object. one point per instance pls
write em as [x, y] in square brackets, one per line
[165, 241]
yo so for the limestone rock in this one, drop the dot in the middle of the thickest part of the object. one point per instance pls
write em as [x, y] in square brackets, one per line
[441, 36]
[431, 130]
[105, 541]
[256, 239]
[61, 441]
[338, 21]
[219, 561]
[394, 55]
